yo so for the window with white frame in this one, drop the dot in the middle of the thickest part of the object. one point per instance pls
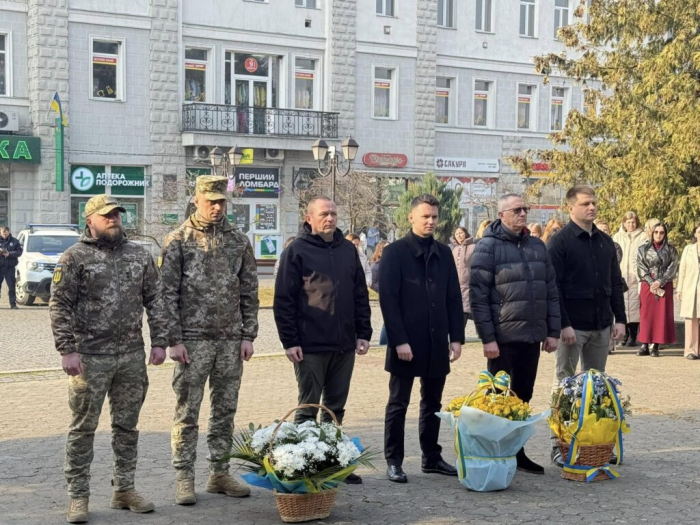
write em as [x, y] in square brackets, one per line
[5, 57]
[561, 15]
[384, 94]
[310, 4]
[527, 18]
[559, 107]
[446, 13]
[107, 69]
[444, 103]
[482, 103]
[196, 65]
[385, 7]
[589, 102]
[304, 83]
[527, 107]
[483, 15]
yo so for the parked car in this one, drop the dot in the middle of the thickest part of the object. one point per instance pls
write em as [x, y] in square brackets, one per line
[43, 245]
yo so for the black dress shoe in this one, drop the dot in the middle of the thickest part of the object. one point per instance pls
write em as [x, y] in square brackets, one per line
[396, 474]
[557, 458]
[654, 350]
[441, 467]
[353, 479]
[644, 350]
[631, 343]
[525, 464]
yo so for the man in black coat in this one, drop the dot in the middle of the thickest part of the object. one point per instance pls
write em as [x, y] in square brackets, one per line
[514, 301]
[422, 307]
[322, 311]
[591, 294]
[10, 250]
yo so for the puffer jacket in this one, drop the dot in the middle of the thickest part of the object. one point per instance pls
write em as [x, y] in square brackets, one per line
[463, 259]
[657, 265]
[98, 295]
[211, 283]
[512, 288]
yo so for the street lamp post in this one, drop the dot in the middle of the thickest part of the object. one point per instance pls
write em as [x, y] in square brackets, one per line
[334, 166]
[222, 162]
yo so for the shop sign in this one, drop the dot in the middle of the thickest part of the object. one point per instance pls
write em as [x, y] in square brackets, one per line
[385, 160]
[467, 164]
[251, 65]
[170, 219]
[258, 182]
[16, 148]
[267, 247]
[124, 180]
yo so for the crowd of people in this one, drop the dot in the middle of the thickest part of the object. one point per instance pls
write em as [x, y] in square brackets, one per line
[571, 296]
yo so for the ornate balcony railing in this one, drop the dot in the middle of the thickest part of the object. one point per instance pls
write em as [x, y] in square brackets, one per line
[245, 120]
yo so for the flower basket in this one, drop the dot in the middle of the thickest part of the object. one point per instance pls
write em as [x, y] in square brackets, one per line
[591, 456]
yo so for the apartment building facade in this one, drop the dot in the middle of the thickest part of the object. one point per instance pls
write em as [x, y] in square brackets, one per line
[151, 87]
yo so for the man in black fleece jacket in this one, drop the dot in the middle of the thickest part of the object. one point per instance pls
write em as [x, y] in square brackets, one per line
[322, 311]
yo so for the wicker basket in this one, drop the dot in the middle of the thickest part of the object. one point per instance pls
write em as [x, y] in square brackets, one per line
[589, 456]
[295, 508]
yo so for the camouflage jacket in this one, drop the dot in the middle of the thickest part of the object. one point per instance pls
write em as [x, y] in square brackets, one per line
[98, 295]
[211, 283]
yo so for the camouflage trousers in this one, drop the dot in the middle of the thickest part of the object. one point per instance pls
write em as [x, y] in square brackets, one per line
[220, 362]
[123, 378]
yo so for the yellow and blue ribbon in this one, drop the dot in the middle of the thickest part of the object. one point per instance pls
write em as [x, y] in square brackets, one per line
[487, 381]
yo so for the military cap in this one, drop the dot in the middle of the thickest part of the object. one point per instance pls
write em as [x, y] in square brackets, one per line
[212, 187]
[102, 205]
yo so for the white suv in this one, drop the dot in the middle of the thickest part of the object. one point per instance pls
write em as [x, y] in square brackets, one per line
[42, 245]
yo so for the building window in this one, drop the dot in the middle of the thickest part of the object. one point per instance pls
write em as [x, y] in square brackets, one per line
[443, 102]
[483, 15]
[445, 13]
[196, 61]
[527, 18]
[527, 107]
[5, 57]
[559, 108]
[5, 195]
[384, 100]
[482, 110]
[309, 4]
[561, 15]
[107, 65]
[385, 7]
[304, 76]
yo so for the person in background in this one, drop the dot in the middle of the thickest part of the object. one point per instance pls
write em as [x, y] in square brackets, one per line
[629, 238]
[605, 228]
[363, 258]
[689, 295]
[649, 228]
[374, 267]
[657, 263]
[373, 238]
[535, 230]
[462, 251]
[10, 251]
[391, 236]
[279, 256]
[553, 226]
[481, 229]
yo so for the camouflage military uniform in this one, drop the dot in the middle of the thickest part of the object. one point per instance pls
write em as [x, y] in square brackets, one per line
[211, 294]
[97, 300]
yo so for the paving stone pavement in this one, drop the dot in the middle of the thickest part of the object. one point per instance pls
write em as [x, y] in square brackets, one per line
[659, 482]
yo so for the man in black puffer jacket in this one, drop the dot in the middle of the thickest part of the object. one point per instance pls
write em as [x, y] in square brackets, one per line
[514, 300]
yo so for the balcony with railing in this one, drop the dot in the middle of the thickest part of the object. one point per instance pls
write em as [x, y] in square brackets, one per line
[248, 120]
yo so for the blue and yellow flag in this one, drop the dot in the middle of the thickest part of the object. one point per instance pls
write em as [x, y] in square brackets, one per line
[56, 106]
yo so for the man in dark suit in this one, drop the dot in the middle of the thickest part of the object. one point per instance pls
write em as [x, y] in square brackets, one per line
[422, 307]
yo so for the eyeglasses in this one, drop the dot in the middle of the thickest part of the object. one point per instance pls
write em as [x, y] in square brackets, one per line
[519, 210]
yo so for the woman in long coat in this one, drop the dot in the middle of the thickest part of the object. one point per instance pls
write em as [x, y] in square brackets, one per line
[462, 251]
[689, 295]
[657, 263]
[630, 237]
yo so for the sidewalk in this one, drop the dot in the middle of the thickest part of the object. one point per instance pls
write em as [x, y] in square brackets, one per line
[659, 480]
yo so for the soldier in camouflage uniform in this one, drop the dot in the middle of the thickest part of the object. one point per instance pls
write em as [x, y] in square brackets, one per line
[100, 287]
[211, 296]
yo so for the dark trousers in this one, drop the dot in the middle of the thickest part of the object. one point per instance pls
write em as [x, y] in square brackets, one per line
[428, 423]
[8, 275]
[324, 377]
[520, 361]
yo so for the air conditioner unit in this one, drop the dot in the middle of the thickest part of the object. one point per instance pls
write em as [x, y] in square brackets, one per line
[202, 153]
[9, 121]
[274, 154]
